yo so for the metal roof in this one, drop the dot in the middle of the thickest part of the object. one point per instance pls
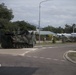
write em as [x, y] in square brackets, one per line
[45, 33]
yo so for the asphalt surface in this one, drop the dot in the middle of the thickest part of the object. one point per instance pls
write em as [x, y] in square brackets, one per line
[41, 60]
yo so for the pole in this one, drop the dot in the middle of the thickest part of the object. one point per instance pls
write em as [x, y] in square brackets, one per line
[39, 19]
[40, 16]
[73, 27]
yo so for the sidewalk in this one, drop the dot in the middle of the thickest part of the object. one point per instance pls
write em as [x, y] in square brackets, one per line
[71, 56]
[48, 42]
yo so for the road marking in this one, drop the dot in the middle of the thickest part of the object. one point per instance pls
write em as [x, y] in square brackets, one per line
[64, 55]
[47, 47]
[48, 58]
[43, 48]
[24, 53]
[0, 65]
[63, 60]
[56, 59]
[38, 46]
[31, 49]
[29, 56]
[34, 49]
[35, 57]
[51, 47]
[42, 57]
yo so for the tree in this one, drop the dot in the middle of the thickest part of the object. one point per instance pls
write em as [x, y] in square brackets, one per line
[5, 13]
[24, 25]
[74, 29]
[68, 28]
[53, 29]
[49, 28]
[5, 17]
[59, 30]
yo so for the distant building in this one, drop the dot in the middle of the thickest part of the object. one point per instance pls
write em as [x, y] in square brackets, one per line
[43, 32]
[46, 33]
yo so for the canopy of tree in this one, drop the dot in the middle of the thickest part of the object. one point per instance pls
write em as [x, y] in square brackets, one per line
[66, 29]
[24, 25]
[5, 13]
[6, 16]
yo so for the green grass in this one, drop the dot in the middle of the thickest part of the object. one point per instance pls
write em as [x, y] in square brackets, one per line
[43, 43]
[72, 55]
[50, 43]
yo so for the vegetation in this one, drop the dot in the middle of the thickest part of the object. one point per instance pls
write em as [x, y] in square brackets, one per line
[6, 15]
[53, 29]
[54, 39]
[66, 29]
[24, 25]
[72, 55]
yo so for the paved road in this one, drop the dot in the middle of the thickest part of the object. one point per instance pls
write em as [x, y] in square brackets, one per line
[40, 60]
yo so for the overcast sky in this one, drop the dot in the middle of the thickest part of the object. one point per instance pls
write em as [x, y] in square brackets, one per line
[53, 12]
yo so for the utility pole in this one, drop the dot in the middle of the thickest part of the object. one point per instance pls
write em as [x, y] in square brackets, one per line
[40, 15]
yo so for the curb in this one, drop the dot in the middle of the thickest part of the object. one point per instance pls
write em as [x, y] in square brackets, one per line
[41, 45]
[0, 65]
[68, 58]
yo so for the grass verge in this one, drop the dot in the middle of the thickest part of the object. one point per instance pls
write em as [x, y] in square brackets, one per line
[72, 55]
[57, 43]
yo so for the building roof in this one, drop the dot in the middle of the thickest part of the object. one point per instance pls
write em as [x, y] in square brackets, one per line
[45, 33]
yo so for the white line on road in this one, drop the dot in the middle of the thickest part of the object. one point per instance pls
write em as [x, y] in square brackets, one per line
[46, 47]
[42, 57]
[56, 59]
[43, 48]
[63, 60]
[29, 56]
[35, 57]
[48, 58]
[31, 49]
[24, 53]
[51, 47]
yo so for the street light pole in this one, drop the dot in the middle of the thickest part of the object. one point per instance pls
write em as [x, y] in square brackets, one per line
[73, 27]
[40, 16]
[39, 19]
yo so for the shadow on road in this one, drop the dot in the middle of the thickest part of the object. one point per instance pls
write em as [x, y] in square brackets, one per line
[17, 70]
